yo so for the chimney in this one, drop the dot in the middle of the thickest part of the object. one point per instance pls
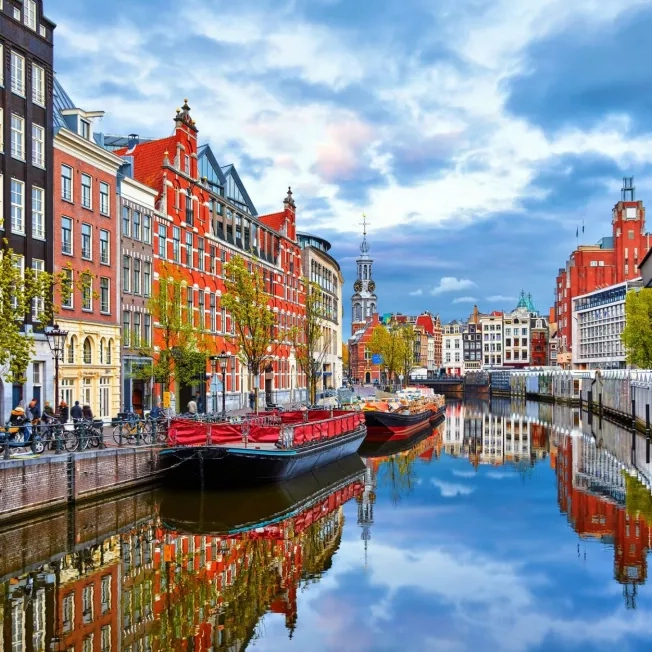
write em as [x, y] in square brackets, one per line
[132, 141]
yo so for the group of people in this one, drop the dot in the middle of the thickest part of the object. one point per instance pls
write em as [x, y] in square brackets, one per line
[32, 414]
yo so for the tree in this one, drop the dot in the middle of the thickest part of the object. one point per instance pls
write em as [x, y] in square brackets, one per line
[251, 317]
[181, 356]
[637, 335]
[388, 342]
[21, 291]
[409, 338]
[312, 340]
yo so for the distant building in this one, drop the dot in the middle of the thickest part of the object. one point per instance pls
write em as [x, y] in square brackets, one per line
[615, 259]
[361, 364]
[472, 342]
[492, 339]
[321, 268]
[453, 349]
[598, 322]
[364, 302]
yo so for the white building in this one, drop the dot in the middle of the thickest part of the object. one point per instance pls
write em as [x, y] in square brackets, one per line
[321, 268]
[492, 339]
[598, 319]
[452, 348]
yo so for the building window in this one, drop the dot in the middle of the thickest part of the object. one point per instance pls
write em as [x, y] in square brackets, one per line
[147, 228]
[147, 336]
[42, 31]
[176, 244]
[162, 241]
[17, 137]
[86, 190]
[88, 357]
[136, 226]
[105, 305]
[190, 296]
[17, 74]
[136, 331]
[29, 13]
[66, 182]
[85, 129]
[136, 284]
[38, 146]
[200, 254]
[189, 208]
[2, 118]
[66, 292]
[126, 327]
[126, 221]
[105, 206]
[66, 235]
[86, 241]
[87, 293]
[71, 358]
[38, 304]
[38, 85]
[105, 247]
[189, 239]
[201, 311]
[147, 278]
[105, 392]
[126, 273]
[213, 314]
[17, 206]
[38, 212]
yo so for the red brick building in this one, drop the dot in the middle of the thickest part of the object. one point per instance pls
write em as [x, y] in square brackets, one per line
[205, 217]
[85, 243]
[538, 341]
[361, 366]
[613, 260]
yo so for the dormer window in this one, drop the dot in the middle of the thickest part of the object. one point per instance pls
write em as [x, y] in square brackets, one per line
[85, 129]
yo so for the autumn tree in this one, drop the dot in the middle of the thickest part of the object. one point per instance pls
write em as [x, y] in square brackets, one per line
[22, 291]
[388, 342]
[637, 335]
[409, 337]
[181, 356]
[312, 340]
[251, 317]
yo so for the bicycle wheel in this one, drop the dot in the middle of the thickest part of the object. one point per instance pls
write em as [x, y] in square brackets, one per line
[70, 441]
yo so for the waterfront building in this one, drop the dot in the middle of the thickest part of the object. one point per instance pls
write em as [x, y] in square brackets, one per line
[453, 349]
[472, 342]
[538, 341]
[552, 341]
[363, 369]
[26, 175]
[516, 330]
[491, 326]
[321, 268]
[598, 320]
[205, 216]
[428, 340]
[86, 247]
[137, 218]
[615, 259]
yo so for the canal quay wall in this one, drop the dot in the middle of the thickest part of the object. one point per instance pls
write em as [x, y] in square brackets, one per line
[30, 543]
[622, 395]
[39, 483]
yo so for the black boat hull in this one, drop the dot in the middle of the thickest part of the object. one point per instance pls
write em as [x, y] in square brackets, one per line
[382, 426]
[225, 466]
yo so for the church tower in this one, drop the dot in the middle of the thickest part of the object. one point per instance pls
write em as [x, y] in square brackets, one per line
[364, 301]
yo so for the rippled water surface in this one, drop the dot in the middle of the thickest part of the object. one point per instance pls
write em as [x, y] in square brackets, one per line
[509, 527]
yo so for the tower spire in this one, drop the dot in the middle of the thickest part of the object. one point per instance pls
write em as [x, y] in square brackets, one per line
[364, 247]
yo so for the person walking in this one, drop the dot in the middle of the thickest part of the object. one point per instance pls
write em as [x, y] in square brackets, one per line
[48, 412]
[156, 412]
[192, 406]
[252, 400]
[77, 412]
[64, 412]
[87, 413]
[35, 409]
[200, 403]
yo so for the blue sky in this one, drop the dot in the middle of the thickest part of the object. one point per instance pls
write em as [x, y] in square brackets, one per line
[475, 134]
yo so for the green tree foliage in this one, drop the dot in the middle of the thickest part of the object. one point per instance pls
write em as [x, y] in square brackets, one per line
[637, 335]
[22, 291]
[312, 340]
[395, 343]
[248, 304]
[409, 337]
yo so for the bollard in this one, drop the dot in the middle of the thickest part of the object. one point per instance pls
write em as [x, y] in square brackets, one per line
[57, 444]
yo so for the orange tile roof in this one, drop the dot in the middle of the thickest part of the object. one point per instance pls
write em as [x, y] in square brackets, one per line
[148, 160]
[426, 322]
[273, 220]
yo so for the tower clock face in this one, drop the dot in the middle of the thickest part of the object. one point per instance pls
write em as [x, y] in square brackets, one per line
[357, 286]
[372, 286]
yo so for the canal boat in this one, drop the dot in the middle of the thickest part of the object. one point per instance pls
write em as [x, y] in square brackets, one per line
[393, 419]
[230, 512]
[396, 446]
[259, 449]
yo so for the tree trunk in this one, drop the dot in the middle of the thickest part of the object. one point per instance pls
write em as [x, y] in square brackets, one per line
[256, 386]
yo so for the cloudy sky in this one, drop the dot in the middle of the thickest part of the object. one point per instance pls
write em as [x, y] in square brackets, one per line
[475, 134]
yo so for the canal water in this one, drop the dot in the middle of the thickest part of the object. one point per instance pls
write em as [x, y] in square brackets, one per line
[511, 526]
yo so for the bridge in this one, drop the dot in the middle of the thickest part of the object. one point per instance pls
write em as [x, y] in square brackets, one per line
[472, 383]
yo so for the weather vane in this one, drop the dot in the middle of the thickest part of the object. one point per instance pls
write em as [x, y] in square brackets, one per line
[364, 223]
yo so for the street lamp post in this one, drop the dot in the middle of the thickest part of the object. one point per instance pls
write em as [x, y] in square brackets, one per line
[224, 360]
[214, 359]
[56, 340]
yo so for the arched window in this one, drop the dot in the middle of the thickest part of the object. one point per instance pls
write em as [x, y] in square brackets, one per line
[102, 344]
[88, 351]
[365, 271]
[109, 352]
[357, 312]
[71, 350]
[373, 308]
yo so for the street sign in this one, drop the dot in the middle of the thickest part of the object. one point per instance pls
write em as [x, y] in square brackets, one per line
[166, 400]
[376, 358]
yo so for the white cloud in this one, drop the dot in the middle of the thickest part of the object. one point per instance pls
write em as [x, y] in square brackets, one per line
[416, 293]
[452, 489]
[464, 474]
[465, 300]
[452, 284]
[500, 298]
[499, 475]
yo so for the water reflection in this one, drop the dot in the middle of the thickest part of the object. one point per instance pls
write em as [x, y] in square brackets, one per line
[512, 526]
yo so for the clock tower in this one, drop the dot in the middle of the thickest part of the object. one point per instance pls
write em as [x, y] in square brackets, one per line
[364, 301]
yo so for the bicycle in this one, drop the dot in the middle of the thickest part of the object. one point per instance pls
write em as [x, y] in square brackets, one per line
[128, 431]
